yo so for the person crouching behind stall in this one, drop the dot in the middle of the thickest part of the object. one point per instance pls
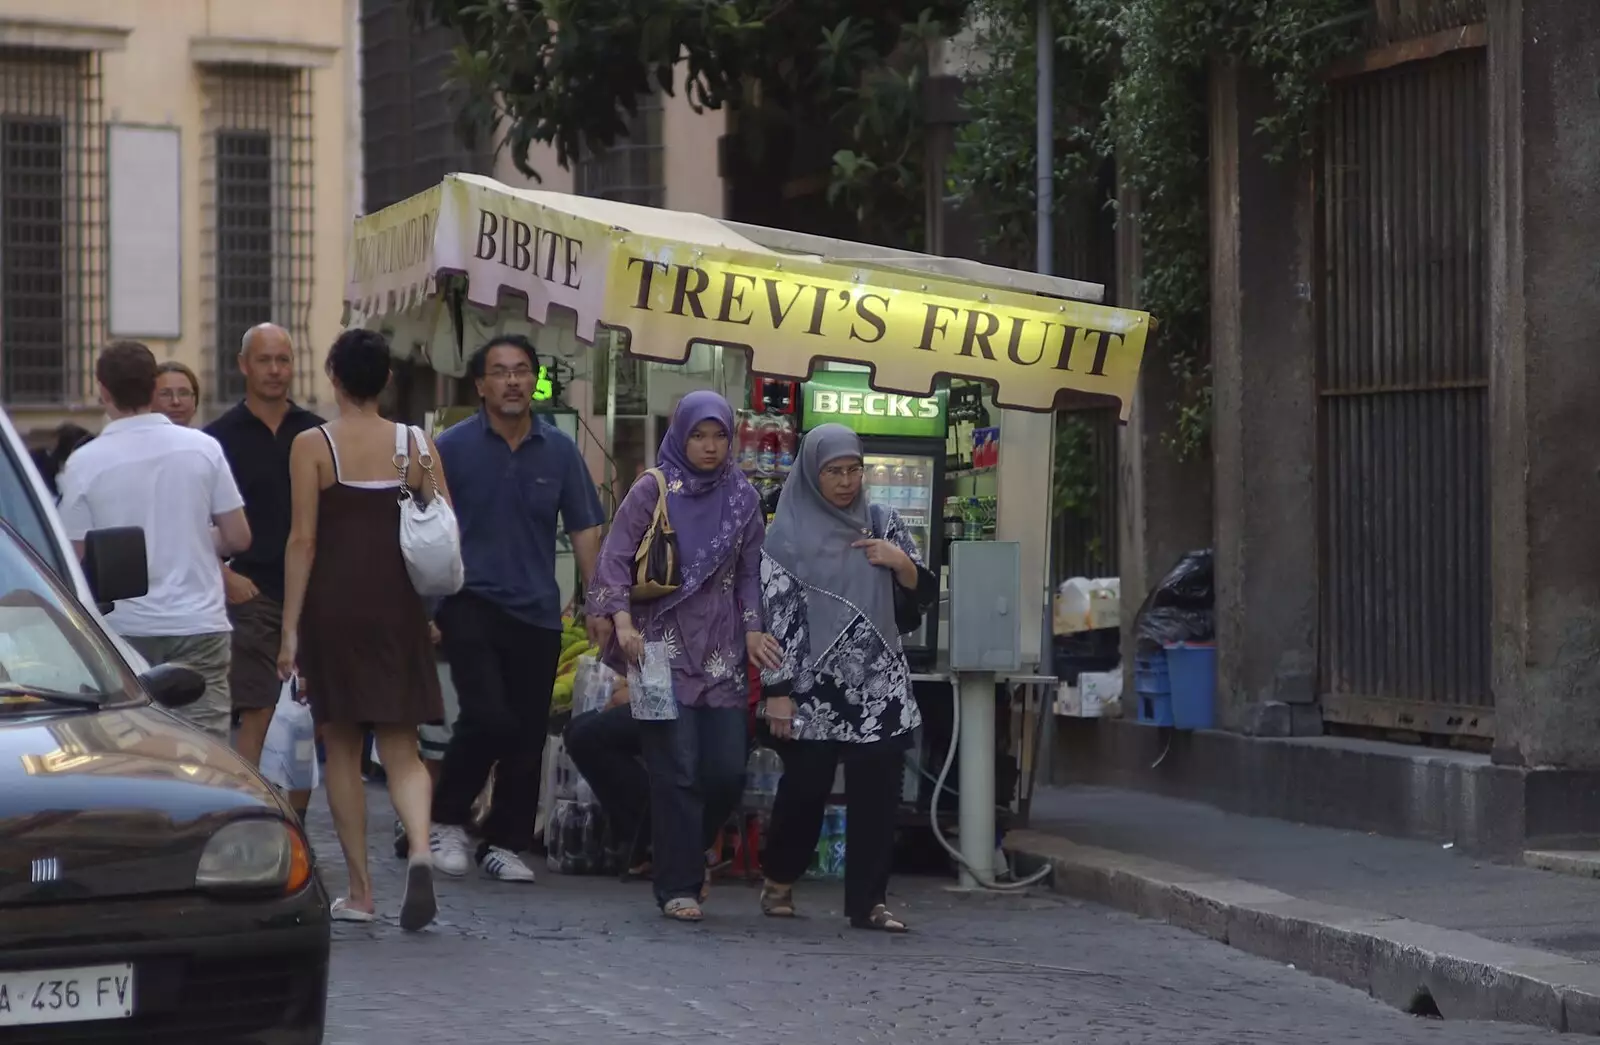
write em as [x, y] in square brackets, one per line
[840, 582]
[707, 616]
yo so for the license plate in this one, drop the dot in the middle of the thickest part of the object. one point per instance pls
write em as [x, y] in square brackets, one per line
[94, 992]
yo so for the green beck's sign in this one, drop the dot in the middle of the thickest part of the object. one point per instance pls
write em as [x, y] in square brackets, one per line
[845, 397]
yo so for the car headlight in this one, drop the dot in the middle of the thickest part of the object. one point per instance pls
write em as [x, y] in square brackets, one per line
[254, 854]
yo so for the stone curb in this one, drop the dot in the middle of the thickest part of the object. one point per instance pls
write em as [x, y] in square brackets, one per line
[1580, 863]
[1397, 961]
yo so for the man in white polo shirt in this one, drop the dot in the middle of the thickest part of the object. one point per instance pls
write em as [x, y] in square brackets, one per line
[176, 485]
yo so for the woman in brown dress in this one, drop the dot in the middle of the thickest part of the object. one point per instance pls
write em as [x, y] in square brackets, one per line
[354, 628]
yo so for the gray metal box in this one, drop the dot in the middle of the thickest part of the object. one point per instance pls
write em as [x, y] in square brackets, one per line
[985, 599]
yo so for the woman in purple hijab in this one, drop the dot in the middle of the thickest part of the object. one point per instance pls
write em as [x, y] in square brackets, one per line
[711, 626]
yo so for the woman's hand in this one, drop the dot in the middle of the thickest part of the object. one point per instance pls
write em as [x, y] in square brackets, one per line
[884, 553]
[764, 651]
[629, 641]
[889, 555]
[288, 652]
[780, 717]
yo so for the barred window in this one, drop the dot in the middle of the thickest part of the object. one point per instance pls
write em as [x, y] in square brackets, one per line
[256, 202]
[633, 168]
[52, 214]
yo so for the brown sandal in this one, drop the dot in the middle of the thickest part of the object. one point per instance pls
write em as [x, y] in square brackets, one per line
[881, 920]
[777, 901]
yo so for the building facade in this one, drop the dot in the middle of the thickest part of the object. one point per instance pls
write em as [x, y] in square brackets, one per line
[411, 139]
[172, 171]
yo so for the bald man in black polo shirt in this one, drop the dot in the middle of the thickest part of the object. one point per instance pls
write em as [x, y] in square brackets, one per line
[256, 436]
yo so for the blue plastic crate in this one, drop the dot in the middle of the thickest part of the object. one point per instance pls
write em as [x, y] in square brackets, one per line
[1155, 709]
[1150, 675]
[1192, 674]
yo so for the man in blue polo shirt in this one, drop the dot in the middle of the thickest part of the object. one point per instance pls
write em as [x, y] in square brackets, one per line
[510, 474]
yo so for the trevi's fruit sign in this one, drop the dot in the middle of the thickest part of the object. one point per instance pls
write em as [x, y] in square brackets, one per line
[790, 312]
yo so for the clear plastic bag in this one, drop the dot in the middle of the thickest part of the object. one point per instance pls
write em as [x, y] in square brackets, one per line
[650, 686]
[592, 686]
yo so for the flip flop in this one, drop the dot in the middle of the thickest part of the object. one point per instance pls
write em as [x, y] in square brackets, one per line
[420, 905]
[341, 911]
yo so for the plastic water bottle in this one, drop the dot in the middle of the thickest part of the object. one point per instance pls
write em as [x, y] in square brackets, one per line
[900, 491]
[593, 859]
[554, 830]
[572, 850]
[921, 498]
[762, 774]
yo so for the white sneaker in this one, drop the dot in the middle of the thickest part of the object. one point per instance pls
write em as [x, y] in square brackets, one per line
[450, 850]
[505, 866]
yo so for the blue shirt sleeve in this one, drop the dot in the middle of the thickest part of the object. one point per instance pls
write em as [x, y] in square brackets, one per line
[580, 503]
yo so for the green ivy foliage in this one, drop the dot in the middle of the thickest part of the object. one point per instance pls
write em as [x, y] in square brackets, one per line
[1131, 87]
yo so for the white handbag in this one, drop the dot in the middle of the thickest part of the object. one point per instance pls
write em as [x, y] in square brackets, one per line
[430, 538]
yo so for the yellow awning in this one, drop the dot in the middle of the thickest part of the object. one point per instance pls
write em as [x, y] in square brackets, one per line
[670, 278]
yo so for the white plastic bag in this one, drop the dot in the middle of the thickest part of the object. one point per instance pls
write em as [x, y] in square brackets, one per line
[592, 686]
[289, 756]
[650, 686]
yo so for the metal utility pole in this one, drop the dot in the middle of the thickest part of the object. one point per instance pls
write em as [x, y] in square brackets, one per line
[1045, 51]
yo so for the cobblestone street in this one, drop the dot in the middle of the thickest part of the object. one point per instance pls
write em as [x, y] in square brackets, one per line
[588, 959]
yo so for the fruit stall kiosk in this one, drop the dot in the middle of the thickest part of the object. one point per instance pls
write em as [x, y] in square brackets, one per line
[439, 272]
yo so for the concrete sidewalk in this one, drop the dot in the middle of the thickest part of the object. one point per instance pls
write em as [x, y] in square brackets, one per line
[1418, 925]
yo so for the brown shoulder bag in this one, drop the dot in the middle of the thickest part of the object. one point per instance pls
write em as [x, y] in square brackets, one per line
[657, 571]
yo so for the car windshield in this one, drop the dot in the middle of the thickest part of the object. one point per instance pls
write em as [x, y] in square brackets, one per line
[47, 643]
[19, 506]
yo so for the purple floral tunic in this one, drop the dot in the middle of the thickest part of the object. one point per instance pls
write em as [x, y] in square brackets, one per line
[705, 632]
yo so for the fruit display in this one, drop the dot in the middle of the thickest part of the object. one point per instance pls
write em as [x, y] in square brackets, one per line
[574, 644]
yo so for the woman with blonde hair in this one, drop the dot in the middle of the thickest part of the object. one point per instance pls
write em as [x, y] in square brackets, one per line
[177, 392]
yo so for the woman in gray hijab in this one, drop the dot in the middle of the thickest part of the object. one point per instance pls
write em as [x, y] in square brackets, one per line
[832, 572]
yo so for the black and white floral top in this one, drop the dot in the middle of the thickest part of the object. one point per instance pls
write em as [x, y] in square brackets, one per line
[859, 689]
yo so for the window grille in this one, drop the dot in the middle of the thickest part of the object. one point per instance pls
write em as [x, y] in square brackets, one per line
[633, 168]
[410, 108]
[256, 170]
[52, 224]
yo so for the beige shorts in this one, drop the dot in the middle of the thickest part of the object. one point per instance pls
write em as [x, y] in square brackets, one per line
[210, 655]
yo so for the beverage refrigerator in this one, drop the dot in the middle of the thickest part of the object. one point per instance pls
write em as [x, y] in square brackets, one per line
[906, 474]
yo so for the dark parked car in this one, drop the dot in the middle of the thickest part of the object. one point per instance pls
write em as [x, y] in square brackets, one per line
[153, 888]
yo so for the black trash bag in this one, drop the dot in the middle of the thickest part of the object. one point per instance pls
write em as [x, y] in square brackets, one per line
[1181, 608]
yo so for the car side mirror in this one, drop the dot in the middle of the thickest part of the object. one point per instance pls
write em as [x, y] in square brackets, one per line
[173, 685]
[115, 565]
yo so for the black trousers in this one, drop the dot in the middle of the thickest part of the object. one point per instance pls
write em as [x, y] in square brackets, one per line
[872, 776]
[504, 670]
[605, 747]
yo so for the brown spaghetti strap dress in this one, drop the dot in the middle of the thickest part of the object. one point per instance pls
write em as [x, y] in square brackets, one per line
[365, 655]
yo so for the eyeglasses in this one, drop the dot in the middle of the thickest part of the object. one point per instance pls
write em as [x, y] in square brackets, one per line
[847, 472]
[521, 373]
[176, 395]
